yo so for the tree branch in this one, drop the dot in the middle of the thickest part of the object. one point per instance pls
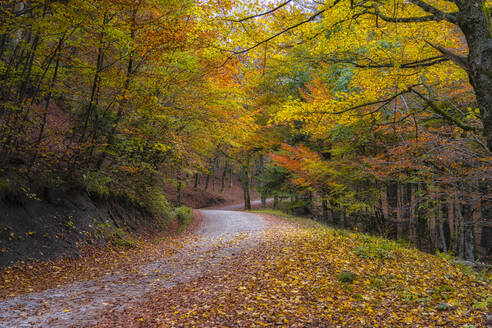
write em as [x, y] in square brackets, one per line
[259, 15]
[377, 102]
[439, 14]
[461, 61]
[420, 19]
[444, 113]
[414, 64]
[311, 18]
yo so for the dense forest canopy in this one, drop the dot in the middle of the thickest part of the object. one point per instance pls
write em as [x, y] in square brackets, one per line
[373, 114]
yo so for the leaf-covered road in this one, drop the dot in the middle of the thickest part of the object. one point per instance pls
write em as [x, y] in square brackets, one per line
[222, 235]
[245, 270]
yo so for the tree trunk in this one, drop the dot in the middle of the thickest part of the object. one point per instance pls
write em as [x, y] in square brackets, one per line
[96, 81]
[442, 236]
[324, 206]
[207, 181]
[47, 103]
[179, 188]
[413, 218]
[224, 173]
[467, 242]
[262, 181]
[197, 181]
[475, 25]
[246, 185]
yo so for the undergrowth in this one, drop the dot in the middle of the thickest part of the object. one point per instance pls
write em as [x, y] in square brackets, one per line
[185, 217]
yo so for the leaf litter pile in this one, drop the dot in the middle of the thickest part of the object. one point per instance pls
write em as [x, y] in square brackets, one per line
[312, 277]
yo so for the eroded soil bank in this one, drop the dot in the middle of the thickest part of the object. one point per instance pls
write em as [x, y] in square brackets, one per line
[53, 225]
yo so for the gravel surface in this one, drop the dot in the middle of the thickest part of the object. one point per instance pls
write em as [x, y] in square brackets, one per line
[222, 234]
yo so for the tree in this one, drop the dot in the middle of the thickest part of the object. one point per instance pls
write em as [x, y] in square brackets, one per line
[414, 17]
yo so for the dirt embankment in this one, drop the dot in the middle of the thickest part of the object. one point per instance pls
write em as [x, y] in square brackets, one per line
[55, 225]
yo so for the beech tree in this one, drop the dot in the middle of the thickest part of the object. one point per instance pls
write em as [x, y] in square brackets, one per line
[420, 18]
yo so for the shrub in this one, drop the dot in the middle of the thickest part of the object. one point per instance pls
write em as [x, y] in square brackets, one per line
[156, 203]
[346, 277]
[97, 184]
[184, 215]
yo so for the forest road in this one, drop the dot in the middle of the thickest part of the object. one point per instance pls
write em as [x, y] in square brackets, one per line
[221, 235]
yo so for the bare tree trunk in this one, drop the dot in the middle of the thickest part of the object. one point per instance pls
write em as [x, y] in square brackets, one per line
[46, 104]
[230, 177]
[179, 188]
[467, 242]
[224, 173]
[442, 236]
[262, 181]
[413, 218]
[197, 181]
[324, 207]
[245, 181]
[207, 181]
[432, 219]
[96, 81]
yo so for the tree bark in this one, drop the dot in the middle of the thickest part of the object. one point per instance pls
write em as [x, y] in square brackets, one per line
[179, 188]
[47, 103]
[246, 185]
[474, 23]
[224, 173]
[230, 177]
[262, 181]
[324, 206]
[197, 181]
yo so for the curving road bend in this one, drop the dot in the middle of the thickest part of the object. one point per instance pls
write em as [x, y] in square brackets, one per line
[222, 234]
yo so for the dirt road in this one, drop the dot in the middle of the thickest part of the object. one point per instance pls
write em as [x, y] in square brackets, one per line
[222, 234]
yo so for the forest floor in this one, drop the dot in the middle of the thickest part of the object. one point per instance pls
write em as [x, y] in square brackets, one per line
[238, 269]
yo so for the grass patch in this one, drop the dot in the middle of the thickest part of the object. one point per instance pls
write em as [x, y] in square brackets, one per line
[377, 249]
[291, 218]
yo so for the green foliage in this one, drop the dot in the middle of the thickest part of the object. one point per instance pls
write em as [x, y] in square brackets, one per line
[116, 236]
[341, 233]
[449, 256]
[307, 222]
[97, 184]
[483, 305]
[442, 306]
[300, 206]
[156, 203]
[276, 181]
[184, 215]
[346, 277]
[6, 187]
[124, 242]
[377, 249]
